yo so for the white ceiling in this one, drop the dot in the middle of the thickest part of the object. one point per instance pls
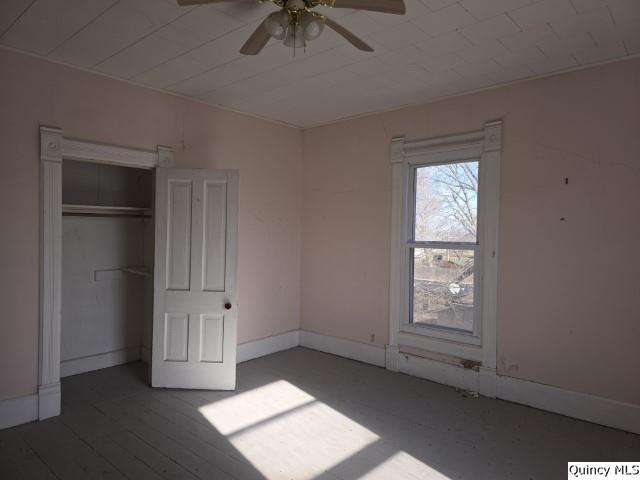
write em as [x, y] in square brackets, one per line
[439, 48]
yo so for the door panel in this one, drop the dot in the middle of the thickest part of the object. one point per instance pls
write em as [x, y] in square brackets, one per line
[215, 219]
[176, 337]
[211, 335]
[178, 261]
[194, 335]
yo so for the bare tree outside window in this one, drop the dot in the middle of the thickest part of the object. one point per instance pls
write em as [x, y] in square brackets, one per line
[446, 206]
[447, 202]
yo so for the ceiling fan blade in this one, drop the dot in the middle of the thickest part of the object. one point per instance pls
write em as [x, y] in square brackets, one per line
[350, 37]
[256, 41]
[184, 3]
[383, 6]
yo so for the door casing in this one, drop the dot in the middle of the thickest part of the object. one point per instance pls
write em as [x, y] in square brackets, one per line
[54, 148]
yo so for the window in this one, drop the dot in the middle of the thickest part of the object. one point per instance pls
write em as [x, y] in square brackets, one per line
[445, 224]
[444, 244]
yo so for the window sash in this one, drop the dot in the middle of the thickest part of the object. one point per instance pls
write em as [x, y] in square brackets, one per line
[439, 331]
[411, 196]
[411, 244]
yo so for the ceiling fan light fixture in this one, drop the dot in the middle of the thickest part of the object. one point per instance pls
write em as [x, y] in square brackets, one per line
[276, 24]
[295, 36]
[296, 22]
[312, 26]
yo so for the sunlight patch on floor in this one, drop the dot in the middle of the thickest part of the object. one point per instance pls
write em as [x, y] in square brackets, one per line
[285, 433]
[240, 411]
[403, 465]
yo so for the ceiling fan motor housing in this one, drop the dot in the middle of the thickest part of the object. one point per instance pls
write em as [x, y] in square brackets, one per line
[295, 4]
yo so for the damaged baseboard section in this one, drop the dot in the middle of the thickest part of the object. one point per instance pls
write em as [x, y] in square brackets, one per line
[434, 366]
[440, 357]
[486, 381]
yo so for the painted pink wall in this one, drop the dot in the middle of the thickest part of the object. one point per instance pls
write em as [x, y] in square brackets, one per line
[568, 291]
[34, 92]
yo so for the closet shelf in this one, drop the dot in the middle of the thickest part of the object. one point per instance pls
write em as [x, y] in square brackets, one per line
[103, 210]
[142, 271]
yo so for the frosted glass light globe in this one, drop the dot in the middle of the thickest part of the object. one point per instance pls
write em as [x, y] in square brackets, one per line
[276, 24]
[312, 26]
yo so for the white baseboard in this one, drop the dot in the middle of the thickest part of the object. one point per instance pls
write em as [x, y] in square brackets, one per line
[603, 411]
[343, 348]
[49, 400]
[15, 411]
[75, 366]
[267, 346]
[611, 413]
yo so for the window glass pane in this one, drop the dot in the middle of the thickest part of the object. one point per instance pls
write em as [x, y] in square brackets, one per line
[446, 203]
[443, 288]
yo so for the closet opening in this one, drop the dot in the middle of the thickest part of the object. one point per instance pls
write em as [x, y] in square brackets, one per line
[107, 266]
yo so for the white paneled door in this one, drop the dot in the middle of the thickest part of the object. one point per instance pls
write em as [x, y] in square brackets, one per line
[194, 310]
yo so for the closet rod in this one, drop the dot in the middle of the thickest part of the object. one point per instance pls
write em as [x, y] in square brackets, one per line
[104, 211]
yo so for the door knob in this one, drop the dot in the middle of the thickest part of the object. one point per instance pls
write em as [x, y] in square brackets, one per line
[227, 305]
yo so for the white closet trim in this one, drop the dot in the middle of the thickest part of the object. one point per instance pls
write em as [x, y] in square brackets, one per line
[73, 149]
[54, 148]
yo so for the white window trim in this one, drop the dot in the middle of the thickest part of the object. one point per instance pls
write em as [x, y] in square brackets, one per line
[485, 145]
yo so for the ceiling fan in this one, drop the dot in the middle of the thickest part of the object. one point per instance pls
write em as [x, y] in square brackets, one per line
[296, 22]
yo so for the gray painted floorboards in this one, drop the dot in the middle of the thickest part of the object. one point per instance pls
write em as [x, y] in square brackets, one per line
[298, 414]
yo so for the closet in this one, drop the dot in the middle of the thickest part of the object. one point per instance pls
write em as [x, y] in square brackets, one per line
[107, 265]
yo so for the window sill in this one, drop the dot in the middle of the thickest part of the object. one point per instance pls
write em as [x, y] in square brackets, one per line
[449, 335]
[455, 344]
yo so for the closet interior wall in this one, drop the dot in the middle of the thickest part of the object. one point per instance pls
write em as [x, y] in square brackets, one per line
[107, 265]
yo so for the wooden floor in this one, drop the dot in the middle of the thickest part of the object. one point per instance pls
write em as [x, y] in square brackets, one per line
[298, 414]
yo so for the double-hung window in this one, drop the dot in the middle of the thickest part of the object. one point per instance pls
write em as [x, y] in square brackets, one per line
[444, 244]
